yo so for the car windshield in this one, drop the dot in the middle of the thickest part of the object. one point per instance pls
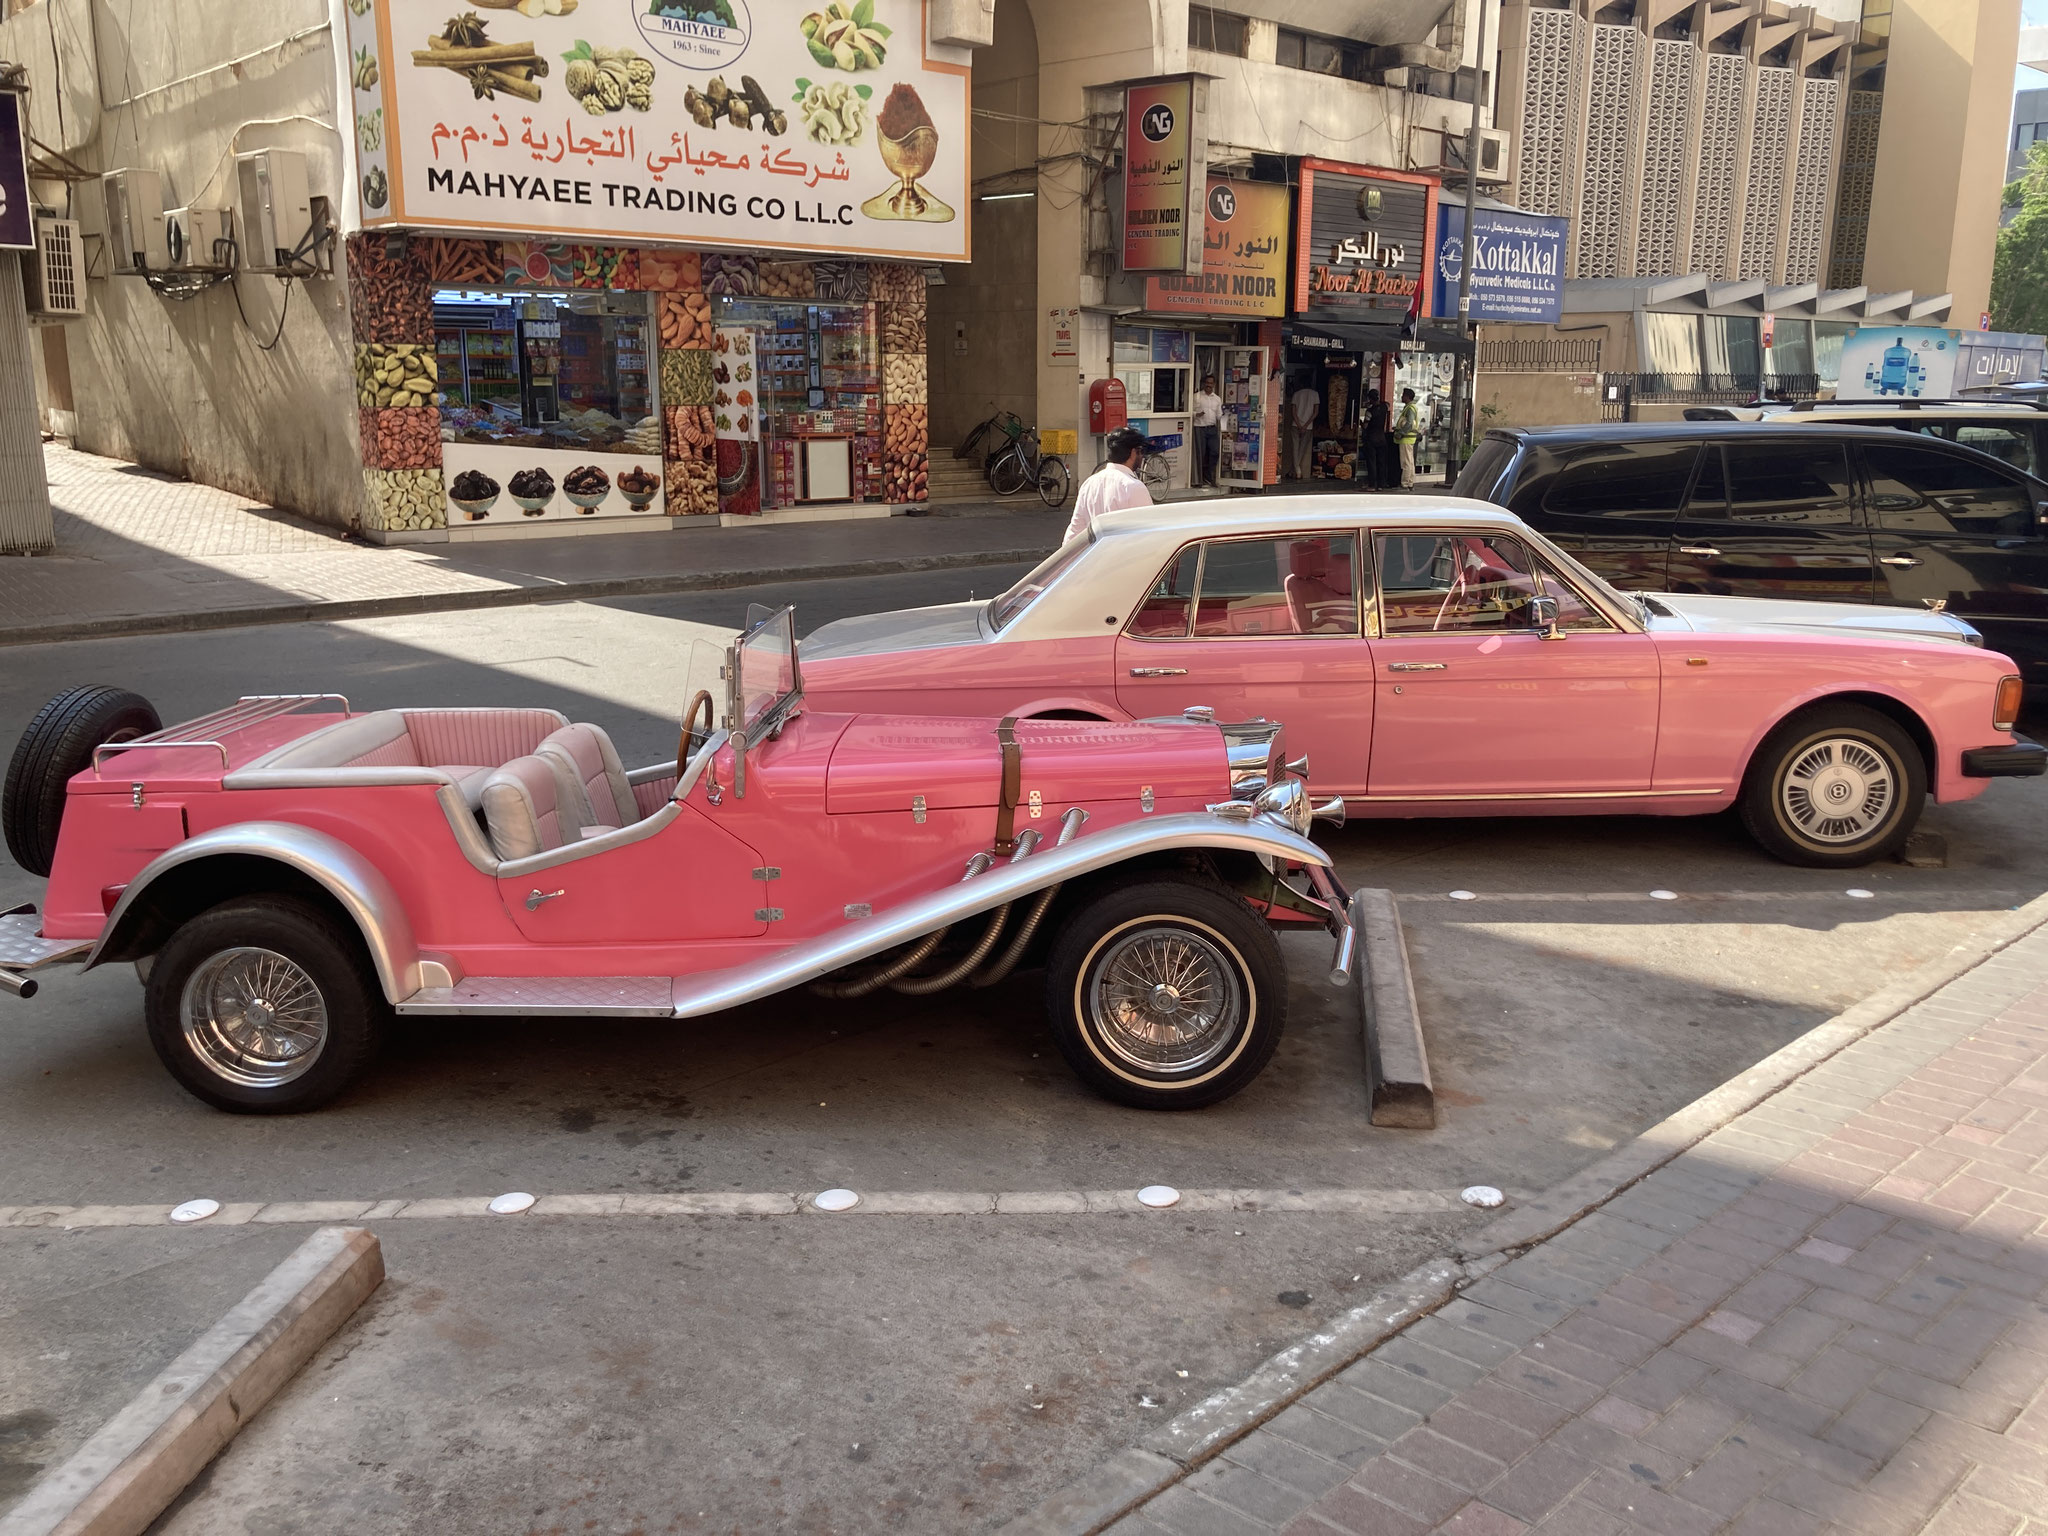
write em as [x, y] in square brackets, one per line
[1627, 602]
[764, 685]
[1002, 610]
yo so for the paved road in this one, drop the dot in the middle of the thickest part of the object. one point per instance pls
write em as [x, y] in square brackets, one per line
[873, 1372]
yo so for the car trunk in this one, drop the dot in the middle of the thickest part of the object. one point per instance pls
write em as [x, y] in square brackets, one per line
[958, 763]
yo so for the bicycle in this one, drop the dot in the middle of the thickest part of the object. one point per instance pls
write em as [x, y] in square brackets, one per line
[1155, 469]
[1020, 464]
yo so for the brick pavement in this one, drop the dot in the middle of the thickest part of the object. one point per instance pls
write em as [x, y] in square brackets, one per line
[138, 552]
[1830, 1315]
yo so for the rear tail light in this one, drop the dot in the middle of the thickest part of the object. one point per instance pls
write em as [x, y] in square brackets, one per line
[2005, 708]
[110, 896]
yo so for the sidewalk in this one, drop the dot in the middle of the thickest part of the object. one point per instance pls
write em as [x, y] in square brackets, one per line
[139, 553]
[1829, 1315]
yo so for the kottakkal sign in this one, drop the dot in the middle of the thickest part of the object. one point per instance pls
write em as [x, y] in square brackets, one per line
[1244, 255]
[727, 122]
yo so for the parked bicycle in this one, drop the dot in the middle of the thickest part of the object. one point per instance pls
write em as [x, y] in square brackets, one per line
[1020, 463]
[1156, 468]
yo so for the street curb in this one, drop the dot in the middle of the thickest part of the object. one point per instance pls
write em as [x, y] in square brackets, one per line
[1170, 1453]
[142, 1458]
[1398, 1087]
[498, 597]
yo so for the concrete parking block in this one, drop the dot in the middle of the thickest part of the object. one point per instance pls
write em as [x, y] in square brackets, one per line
[1401, 1091]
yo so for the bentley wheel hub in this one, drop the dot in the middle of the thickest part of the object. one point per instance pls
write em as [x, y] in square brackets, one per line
[1838, 790]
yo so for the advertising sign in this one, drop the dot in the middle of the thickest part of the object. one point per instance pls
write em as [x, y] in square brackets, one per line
[1064, 327]
[1899, 362]
[1244, 255]
[17, 214]
[724, 122]
[1161, 151]
[1517, 264]
[1361, 241]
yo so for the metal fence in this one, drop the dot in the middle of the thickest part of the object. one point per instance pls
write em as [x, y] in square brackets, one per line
[1539, 354]
[1621, 392]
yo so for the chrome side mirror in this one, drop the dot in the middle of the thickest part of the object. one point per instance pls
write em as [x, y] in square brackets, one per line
[1543, 617]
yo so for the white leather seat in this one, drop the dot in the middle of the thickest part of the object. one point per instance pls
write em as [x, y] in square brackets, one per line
[586, 757]
[530, 807]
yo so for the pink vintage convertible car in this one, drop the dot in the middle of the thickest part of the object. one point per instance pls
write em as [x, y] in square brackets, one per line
[286, 872]
[1441, 658]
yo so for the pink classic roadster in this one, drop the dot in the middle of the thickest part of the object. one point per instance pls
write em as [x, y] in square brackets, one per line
[286, 873]
[1440, 658]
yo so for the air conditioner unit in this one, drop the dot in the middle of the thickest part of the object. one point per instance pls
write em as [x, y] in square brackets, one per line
[53, 276]
[276, 212]
[199, 239]
[1495, 145]
[135, 220]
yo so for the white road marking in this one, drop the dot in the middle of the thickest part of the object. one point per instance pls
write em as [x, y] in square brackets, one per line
[1978, 900]
[1055, 1202]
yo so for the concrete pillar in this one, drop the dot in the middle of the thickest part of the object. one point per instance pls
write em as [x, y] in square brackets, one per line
[25, 523]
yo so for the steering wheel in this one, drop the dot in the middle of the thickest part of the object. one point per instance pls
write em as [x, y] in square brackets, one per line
[692, 738]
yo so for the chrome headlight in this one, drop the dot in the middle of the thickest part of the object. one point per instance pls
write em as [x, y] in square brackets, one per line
[1287, 803]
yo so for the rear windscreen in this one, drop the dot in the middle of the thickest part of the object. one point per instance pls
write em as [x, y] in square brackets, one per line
[1486, 469]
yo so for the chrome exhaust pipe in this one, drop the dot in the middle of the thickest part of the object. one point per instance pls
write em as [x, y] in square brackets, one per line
[1347, 953]
[21, 986]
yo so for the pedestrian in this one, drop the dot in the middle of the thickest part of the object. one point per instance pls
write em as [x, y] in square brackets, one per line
[1303, 406]
[1114, 486]
[1208, 431]
[1407, 428]
[1373, 442]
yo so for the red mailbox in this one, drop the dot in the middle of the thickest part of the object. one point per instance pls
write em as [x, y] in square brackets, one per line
[1106, 408]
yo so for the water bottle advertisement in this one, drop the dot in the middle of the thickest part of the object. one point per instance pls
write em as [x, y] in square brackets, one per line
[1898, 362]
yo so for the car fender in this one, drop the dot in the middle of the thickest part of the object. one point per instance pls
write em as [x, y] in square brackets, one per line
[999, 884]
[1844, 690]
[1094, 708]
[352, 880]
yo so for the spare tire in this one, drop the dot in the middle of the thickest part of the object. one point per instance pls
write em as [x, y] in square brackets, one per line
[57, 745]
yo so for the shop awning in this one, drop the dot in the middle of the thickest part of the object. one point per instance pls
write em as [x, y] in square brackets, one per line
[1381, 338]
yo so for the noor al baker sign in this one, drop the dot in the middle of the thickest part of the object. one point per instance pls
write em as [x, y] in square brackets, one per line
[1517, 264]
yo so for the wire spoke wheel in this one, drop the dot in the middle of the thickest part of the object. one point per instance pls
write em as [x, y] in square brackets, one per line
[1165, 999]
[254, 1017]
[1007, 475]
[1839, 790]
[1054, 481]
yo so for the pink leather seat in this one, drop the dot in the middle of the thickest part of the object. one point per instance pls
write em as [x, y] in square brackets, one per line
[586, 757]
[530, 808]
[1317, 580]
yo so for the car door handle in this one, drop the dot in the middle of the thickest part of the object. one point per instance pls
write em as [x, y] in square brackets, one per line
[535, 898]
[1898, 560]
[1698, 549]
[1415, 666]
[1159, 671]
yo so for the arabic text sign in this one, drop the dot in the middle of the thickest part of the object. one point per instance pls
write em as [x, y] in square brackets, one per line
[1244, 255]
[1517, 266]
[639, 120]
[1360, 238]
[1158, 129]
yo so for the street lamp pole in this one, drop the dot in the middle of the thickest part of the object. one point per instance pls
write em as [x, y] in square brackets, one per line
[1464, 371]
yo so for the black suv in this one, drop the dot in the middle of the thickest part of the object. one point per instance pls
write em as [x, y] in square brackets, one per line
[1750, 509]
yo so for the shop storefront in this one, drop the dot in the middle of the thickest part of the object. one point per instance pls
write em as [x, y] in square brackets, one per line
[1363, 238]
[639, 287]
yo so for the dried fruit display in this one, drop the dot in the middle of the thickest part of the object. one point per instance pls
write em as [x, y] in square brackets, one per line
[784, 280]
[903, 329]
[844, 282]
[401, 438]
[472, 485]
[532, 483]
[905, 452]
[894, 283]
[686, 378]
[839, 39]
[729, 274]
[399, 374]
[903, 378]
[403, 500]
[671, 271]
[390, 298]
[692, 461]
[685, 322]
[463, 263]
[608, 79]
[834, 112]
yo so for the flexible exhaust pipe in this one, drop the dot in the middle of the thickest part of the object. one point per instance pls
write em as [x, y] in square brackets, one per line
[874, 981]
[924, 986]
[1007, 961]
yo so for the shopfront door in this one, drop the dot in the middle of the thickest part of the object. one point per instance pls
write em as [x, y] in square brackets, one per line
[1246, 421]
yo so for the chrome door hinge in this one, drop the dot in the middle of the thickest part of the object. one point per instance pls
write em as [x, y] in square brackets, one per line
[856, 910]
[768, 872]
[1037, 802]
[917, 809]
[1145, 798]
[767, 914]
[135, 790]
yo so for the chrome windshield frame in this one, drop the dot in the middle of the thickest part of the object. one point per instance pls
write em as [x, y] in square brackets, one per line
[745, 734]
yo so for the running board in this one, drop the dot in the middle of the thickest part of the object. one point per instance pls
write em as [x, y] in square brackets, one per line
[618, 997]
[21, 947]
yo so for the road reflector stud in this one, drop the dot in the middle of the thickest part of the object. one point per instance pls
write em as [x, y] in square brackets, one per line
[195, 1210]
[1485, 1196]
[512, 1204]
[836, 1200]
[1158, 1196]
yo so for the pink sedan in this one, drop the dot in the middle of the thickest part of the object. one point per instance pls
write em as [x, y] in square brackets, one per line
[1443, 659]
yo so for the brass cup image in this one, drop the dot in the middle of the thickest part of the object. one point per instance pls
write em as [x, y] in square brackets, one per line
[908, 158]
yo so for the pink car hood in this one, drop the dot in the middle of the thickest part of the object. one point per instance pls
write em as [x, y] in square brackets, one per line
[882, 760]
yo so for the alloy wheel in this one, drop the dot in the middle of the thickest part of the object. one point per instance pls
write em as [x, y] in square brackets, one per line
[1838, 790]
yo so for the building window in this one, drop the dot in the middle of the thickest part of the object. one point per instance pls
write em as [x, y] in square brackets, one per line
[1733, 348]
[1321, 55]
[1216, 31]
[1670, 344]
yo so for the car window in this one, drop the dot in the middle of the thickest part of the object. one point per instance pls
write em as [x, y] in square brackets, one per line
[1482, 473]
[1917, 490]
[1630, 480]
[1002, 610]
[1170, 605]
[1794, 485]
[2011, 445]
[1444, 583]
[1304, 585]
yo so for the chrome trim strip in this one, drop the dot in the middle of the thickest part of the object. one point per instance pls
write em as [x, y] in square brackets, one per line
[715, 990]
[570, 853]
[365, 895]
[1567, 794]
